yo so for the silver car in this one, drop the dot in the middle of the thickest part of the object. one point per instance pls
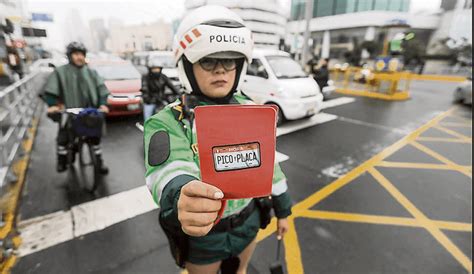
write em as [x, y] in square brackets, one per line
[463, 92]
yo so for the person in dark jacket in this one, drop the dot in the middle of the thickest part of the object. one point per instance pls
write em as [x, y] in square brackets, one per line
[153, 88]
[321, 74]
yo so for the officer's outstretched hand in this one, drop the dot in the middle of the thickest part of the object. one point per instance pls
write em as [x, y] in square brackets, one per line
[198, 206]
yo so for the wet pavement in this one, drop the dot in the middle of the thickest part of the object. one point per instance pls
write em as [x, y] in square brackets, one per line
[372, 192]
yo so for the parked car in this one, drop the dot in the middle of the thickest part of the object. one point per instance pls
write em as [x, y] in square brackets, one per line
[463, 92]
[124, 82]
[47, 64]
[274, 77]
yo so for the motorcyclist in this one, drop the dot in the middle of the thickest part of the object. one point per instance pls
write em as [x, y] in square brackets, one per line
[153, 88]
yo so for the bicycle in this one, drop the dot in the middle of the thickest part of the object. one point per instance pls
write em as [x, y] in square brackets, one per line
[82, 125]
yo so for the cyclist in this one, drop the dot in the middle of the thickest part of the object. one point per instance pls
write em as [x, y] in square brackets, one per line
[75, 85]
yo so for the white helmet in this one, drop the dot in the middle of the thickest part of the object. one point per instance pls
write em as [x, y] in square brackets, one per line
[211, 30]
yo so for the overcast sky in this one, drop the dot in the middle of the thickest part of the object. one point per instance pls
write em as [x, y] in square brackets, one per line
[130, 12]
[138, 11]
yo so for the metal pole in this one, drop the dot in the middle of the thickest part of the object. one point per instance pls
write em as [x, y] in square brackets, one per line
[308, 16]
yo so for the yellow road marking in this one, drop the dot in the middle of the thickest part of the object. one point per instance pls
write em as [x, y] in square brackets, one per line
[6, 266]
[453, 133]
[269, 230]
[460, 118]
[427, 223]
[419, 165]
[302, 208]
[444, 140]
[453, 124]
[398, 96]
[440, 158]
[293, 259]
[381, 220]
[432, 77]
[19, 168]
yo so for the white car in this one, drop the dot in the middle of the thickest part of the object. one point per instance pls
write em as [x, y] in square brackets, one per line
[274, 77]
[463, 92]
[47, 64]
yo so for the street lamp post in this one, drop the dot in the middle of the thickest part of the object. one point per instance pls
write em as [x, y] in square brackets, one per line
[308, 16]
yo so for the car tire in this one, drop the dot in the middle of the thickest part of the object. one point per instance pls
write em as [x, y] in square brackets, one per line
[280, 117]
[458, 98]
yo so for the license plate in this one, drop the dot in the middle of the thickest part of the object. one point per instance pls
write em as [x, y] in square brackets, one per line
[133, 106]
[235, 157]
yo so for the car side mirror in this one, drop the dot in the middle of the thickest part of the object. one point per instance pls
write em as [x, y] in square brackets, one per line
[262, 73]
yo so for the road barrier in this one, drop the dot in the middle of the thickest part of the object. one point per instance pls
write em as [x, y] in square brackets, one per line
[381, 85]
[20, 108]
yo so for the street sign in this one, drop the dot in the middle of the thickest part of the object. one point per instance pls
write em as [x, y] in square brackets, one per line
[44, 17]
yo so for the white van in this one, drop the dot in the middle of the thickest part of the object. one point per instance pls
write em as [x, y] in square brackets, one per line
[274, 77]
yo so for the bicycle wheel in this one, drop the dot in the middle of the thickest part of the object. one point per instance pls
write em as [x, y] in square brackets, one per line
[89, 169]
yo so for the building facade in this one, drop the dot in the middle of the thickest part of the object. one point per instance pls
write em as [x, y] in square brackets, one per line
[455, 25]
[265, 18]
[144, 37]
[338, 26]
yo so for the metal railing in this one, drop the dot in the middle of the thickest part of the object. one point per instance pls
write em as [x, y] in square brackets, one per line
[19, 105]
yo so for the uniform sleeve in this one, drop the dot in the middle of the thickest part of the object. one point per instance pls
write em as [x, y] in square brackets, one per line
[169, 159]
[280, 197]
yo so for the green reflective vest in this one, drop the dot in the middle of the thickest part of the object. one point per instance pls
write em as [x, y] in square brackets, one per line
[182, 165]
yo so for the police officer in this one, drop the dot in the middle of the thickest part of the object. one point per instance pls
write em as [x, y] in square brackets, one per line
[213, 49]
[75, 85]
[153, 87]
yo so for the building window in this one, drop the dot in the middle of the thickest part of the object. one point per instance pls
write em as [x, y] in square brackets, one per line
[394, 5]
[381, 4]
[297, 9]
[323, 8]
[365, 5]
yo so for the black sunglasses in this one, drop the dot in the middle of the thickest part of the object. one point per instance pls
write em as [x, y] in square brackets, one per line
[210, 64]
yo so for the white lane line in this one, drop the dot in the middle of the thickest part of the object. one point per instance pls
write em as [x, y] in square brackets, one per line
[293, 126]
[337, 102]
[49, 230]
[46, 231]
[280, 157]
[139, 126]
[42, 232]
[99, 214]
[362, 123]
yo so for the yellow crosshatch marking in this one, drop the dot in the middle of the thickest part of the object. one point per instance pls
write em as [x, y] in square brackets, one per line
[419, 220]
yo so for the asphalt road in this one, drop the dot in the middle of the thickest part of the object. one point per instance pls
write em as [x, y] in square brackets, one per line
[319, 155]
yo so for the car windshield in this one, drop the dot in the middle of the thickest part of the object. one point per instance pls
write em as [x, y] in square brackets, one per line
[166, 60]
[285, 68]
[117, 72]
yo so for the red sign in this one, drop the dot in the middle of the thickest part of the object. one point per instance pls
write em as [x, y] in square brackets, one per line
[236, 145]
